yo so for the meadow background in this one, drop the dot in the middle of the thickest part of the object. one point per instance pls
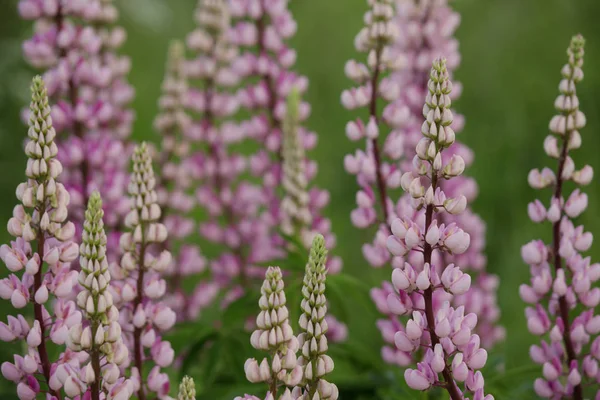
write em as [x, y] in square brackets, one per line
[512, 52]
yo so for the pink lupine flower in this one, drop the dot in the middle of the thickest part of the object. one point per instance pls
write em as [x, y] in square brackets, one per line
[40, 220]
[399, 58]
[76, 45]
[261, 30]
[426, 285]
[562, 279]
[144, 317]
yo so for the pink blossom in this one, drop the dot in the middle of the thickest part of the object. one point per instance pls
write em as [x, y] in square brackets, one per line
[561, 286]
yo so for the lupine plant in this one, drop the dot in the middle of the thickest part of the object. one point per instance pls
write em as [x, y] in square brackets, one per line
[450, 347]
[97, 298]
[140, 284]
[76, 43]
[38, 260]
[561, 296]
[400, 51]
[99, 334]
[187, 389]
[261, 29]
[313, 339]
[302, 377]
[230, 202]
[174, 187]
[274, 334]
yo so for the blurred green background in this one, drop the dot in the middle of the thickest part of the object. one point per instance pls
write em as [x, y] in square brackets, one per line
[512, 52]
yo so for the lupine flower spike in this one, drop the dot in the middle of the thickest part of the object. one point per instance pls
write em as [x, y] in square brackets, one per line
[229, 200]
[274, 334]
[99, 334]
[374, 175]
[175, 185]
[294, 205]
[76, 45]
[451, 349]
[143, 316]
[426, 31]
[39, 261]
[261, 30]
[562, 293]
[187, 389]
[313, 340]
[400, 43]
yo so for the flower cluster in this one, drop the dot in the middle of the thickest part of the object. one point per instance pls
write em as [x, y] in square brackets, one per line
[76, 44]
[426, 32]
[261, 31]
[313, 340]
[274, 334]
[99, 334]
[138, 284]
[41, 254]
[294, 205]
[402, 44]
[446, 332]
[374, 174]
[562, 279]
[187, 389]
[230, 201]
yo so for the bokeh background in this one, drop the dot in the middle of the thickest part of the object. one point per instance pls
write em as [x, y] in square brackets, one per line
[512, 52]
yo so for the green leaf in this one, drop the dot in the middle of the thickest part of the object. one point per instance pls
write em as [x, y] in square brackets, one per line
[212, 362]
[345, 292]
[239, 310]
[194, 352]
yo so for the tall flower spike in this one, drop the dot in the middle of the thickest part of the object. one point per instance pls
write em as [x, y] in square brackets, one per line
[99, 334]
[426, 30]
[294, 206]
[562, 293]
[374, 174]
[176, 184]
[261, 29]
[39, 261]
[76, 45]
[224, 194]
[313, 339]
[445, 332]
[274, 334]
[187, 389]
[143, 316]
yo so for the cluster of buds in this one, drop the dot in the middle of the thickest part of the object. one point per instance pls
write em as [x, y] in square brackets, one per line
[446, 332]
[294, 206]
[187, 389]
[562, 282]
[274, 334]
[76, 44]
[313, 340]
[138, 285]
[99, 334]
[46, 279]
